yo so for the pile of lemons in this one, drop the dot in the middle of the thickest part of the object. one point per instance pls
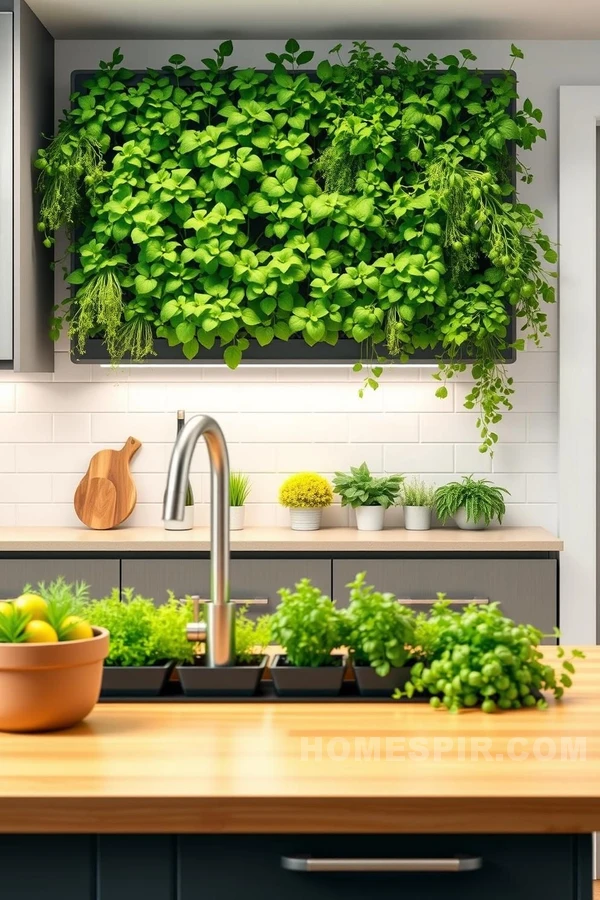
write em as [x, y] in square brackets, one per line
[38, 629]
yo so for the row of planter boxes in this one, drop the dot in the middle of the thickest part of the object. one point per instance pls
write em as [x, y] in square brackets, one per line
[197, 680]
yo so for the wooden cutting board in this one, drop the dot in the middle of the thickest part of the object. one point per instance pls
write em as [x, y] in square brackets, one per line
[107, 495]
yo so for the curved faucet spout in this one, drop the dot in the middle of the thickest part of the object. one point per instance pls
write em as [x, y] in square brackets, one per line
[221, 637]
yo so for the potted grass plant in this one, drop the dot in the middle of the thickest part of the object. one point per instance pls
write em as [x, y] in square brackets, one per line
[380, 633]
[252, 638]
[418, 499]
[145, 641]
[306, 495]
[309, 628]
[239, 491]
[472, 503]
[368, 496]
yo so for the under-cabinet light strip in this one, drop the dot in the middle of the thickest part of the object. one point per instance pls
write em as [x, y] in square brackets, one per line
[204, 365]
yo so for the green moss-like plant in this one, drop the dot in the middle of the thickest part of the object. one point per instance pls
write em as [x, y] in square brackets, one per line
[142, 634]
[371, 201]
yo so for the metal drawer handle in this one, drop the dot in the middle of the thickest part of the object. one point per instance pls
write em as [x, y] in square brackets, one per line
[461, 602]
[450, 864]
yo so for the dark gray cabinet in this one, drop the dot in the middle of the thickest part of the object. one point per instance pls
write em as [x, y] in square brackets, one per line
[232, 867]
[510, 865]
[251, 579]
[526, 588]
[101, 574]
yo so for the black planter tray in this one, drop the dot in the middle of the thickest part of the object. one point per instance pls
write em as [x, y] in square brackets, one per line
[266, 693]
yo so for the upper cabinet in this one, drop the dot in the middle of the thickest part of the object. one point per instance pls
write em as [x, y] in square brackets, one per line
[26, 112]
[6, 189]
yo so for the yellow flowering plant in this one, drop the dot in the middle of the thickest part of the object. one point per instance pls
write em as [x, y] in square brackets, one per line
[306, 490]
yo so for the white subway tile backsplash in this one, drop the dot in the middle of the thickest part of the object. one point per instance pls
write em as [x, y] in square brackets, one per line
[7, 397]
[389, 428]
[418, 458]
[416, 398]
[328, 457]
[468, 459]
[446, 427]
[542, 487]
[8, 514]
[17, 427]
[8, 457]
[53, 457]
[146, 427]
[525, 458]
[276, 421]
[542, 428]
[543, 514]
[25, 488]
[71, 397]
[72, 427]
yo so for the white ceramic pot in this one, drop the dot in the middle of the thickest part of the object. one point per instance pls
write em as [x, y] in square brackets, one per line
[461, 520]
[417, 518]
[369, 518]
[186, 525]
[236, 518]
[305, 519]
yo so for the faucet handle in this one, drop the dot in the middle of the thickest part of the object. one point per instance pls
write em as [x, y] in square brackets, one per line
[196, 630]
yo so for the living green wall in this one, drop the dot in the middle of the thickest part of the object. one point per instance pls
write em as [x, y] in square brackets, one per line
[372, 201]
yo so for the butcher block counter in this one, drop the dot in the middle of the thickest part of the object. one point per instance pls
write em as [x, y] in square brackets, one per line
[302, 799]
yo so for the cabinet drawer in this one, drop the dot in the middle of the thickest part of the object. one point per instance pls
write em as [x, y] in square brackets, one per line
[102, 575]
[251, 579]
[526, 588]
[228, 867]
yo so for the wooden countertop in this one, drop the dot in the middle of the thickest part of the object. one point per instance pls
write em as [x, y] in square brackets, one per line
[275, 540]
[234, 767]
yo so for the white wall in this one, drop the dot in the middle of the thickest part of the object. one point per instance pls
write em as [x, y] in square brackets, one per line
[281, 420]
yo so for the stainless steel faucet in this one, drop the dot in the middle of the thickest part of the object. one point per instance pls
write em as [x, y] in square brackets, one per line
[218, 632]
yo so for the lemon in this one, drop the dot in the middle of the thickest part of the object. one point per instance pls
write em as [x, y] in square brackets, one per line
[37, 632]
[33, 605]
[75, 629]
[6, 607]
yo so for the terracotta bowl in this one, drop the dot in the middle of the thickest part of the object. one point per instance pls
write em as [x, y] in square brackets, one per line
[44, 687]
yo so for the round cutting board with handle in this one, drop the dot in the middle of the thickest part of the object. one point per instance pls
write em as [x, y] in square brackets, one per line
[106, 495]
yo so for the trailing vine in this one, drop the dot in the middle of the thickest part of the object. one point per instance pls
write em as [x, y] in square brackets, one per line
[373, 200]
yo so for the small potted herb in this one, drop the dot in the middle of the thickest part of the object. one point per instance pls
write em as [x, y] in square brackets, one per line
[309, 628]
[472, 503]
[145, 641]
[480, 657]
[305, 495]
[418, 499]
[239, 491]
[242, 680]
[380, 637]
[367, 495]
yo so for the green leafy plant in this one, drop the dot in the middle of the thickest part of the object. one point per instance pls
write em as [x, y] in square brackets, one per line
[372, 202]
[380, 631]
[481, 657]
[306, 490]
[240, 488]
[252, 636]
[480, 498]
[142, 634]
[13, 623]
[64, 600]
[416, 493]
[360, 488]
[307, 625]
